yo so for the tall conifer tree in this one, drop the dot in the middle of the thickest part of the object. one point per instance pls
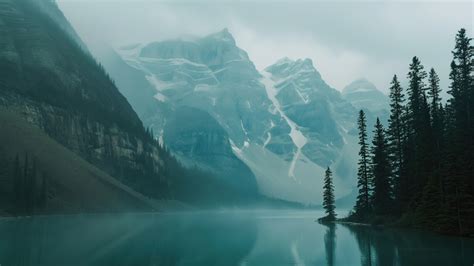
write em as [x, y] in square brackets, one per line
[416, 127]
[380, 165]
[363, 183]
[328, 196]
[396, 136]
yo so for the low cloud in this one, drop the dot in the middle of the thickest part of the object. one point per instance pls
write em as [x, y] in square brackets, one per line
[346, 40]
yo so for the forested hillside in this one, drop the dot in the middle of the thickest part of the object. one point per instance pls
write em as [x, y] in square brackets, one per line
[420, 170]
[54, 84]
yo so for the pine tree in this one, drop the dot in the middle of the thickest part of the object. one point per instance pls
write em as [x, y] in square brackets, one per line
[380, 164]
[463, 55]
[17, 183]
[43, 194]
[328, 196]
[31, 188]
[464, 61]
[459, 170]
[433, 91]
[396, 136]
[437, 124]
[417, 128]
[429, 210]
[24, 184]
[363, 183]
[4, 172]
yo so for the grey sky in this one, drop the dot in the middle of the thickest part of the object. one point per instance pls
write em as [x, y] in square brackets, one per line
[346, 40]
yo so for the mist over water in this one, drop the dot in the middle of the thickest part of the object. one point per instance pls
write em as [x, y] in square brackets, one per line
[219, 238]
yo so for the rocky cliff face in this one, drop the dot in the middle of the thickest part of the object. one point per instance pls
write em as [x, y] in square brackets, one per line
[49, 80]
[316, 109]
[285, 123]
[197, 139]
[213, 75]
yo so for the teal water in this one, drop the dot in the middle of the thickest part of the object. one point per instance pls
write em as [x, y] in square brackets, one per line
[219, 238]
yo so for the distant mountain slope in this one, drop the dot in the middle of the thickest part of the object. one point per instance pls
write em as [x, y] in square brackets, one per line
[363, 94]
[285, 123]
[130, 81]
[210, 74]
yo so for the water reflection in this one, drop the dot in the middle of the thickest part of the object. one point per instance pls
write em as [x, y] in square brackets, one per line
[410, 247]
[127, 240]
[219, 238]
[330, 243]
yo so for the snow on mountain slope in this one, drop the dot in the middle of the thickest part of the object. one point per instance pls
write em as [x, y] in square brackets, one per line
[296, 136]
[285, 123]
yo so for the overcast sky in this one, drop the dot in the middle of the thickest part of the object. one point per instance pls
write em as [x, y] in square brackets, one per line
[345, 40]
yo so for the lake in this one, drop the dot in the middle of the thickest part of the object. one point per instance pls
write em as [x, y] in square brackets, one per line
[219, 238]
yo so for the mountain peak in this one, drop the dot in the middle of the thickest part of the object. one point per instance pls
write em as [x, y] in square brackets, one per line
[299, 61]
[360, 85]
[284, 60]
[286, 66]
[362, 93]
[223, 35]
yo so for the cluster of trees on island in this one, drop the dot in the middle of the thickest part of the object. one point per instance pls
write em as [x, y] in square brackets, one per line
[420, 170]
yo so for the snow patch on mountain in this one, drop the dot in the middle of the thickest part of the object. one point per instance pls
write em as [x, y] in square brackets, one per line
[272, 178]
[285, 123]
[296, 135]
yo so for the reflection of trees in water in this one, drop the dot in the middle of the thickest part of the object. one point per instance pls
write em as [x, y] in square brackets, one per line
[330, 243]
[115, 240]
[377, 247]
[364, 242]
[409, 247]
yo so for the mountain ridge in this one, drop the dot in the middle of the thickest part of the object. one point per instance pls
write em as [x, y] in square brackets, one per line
[54, 83]
[236, 96]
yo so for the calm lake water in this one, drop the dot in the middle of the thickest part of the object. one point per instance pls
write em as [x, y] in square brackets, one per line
[219, 238]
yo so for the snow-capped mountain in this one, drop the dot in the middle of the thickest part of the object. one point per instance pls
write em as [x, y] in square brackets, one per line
[285, 123]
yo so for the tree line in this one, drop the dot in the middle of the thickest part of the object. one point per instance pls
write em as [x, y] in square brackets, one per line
[24, 187]
[419, 171]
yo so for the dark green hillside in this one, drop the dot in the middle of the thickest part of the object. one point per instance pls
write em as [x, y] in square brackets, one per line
[57, 180]
[49, 80]
[42, 62]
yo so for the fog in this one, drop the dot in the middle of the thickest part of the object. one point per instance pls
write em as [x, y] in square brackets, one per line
[345, 40]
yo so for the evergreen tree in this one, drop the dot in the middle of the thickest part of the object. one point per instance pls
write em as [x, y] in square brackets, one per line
[429, 149]
[328, 196]
[31, 192]
[437, 124]
[459, 170]
[43, 194]
[430, 209]
[17, 183]
[380, 164]
[463, 54]
[463, 101]
[4, 172]
[396, 136]
[434, 91]
[24, 183]
[417, 129]
[363, 183]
